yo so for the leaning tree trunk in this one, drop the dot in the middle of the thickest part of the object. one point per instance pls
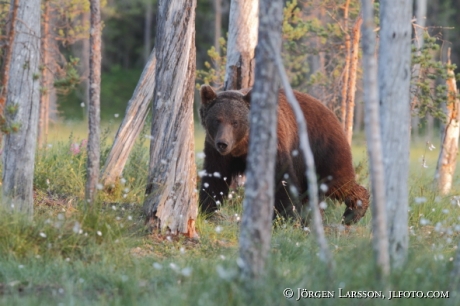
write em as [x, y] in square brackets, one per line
[147, 30]
[21, 112]
[132, 124]
[394, 82]
[171, 202]
[374, 143]
[242, 39]
[258, 203]
[352, 79]
[92, 174]
[447, 160]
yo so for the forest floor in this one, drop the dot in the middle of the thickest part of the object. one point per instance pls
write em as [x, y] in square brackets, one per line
[70, 255]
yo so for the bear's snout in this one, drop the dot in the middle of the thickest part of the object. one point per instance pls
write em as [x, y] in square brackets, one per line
[222, 146]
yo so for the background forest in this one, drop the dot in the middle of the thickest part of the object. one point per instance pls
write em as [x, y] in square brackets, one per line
[128, 37]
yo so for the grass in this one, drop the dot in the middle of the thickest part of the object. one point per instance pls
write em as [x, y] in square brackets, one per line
[72, 256]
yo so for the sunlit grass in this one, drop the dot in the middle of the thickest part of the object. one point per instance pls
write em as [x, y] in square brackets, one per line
[73, 256]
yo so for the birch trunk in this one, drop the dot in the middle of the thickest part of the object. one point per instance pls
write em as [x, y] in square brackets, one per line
[258, 203]
[21, 113]
[171, 202]
[394, 83]
[374, 143]
[447, 160]
[92, 174]
[131, 126]
[354, 57]
[242, 40]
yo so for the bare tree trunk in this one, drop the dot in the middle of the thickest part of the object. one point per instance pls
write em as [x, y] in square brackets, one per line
[21, 112]
[352, 79]
[131, 126]
[92, 175]
[374, 143]
[310, 173]
[242, 39]
[420, 15]
[171, 202]
[447, 160]
[217, 24]
[258, 203]
[47, 77]
[148, 30]
[346, 69]
[394, 83]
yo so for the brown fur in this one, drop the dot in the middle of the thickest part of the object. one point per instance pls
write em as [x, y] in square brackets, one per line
[225, 118]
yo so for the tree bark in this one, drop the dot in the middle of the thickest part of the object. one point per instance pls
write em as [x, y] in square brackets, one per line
[374, 143]
[21, 112]
[217, 24]
[132, 124]
[242, 39]
[171, 202]
[352, 79]
[92, 175]
[394, 83]
[47, 76]
[258, 203]
[148, 30]
[346, 68]
[447, 160]
[420, 15]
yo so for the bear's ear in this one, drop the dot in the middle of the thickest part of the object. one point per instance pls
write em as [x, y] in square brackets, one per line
[207, 94]
[247, 95]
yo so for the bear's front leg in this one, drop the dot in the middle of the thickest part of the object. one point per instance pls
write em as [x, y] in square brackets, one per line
[215, 180]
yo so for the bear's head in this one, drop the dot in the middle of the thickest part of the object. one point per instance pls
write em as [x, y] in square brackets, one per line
[225, 117]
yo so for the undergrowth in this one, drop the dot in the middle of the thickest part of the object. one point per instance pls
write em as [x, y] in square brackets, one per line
[71, 255]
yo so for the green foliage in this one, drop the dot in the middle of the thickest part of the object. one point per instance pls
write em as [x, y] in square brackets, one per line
[214, 73]
[430, 90]
[70, 77]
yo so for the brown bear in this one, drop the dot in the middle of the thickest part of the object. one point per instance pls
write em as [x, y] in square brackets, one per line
[225, 117]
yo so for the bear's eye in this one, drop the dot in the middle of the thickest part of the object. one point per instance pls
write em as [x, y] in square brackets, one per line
[235, 123]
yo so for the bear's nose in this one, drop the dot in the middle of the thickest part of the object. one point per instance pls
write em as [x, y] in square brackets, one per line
[222, 146]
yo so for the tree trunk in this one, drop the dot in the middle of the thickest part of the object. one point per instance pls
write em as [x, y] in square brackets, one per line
[318, 229]
[374, 143]
[171, 202]
[148, 30]
[352, 79]
[420, 15]
[47, 76]
[217, 24]
[394, 83]
[132, 124]
[258, 203]
[92, 175]
[21, 112]
[346, 68]
[447, 160]
[242, 39]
